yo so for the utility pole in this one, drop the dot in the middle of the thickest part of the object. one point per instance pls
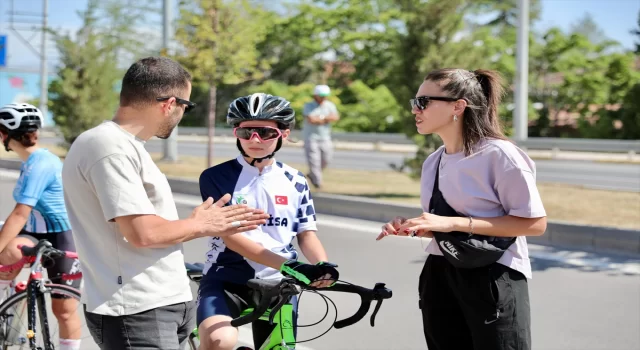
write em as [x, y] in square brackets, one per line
[171, 143]
[44, 86]
[42, 54]
[521, 93]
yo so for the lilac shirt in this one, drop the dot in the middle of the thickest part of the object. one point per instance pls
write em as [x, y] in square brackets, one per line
[497, 179]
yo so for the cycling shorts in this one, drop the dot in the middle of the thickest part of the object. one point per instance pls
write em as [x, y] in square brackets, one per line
[217, 297]
[55, 268]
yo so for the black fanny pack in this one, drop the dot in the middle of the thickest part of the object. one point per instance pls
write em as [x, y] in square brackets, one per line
[461, 249]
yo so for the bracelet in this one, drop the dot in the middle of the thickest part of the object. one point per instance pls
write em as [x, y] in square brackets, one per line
[470, 225]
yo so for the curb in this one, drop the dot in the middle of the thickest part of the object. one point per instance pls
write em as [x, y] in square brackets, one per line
[597, 239]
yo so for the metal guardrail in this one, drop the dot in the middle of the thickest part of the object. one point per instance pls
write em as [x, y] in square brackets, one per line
[532, 143]
[582, 145]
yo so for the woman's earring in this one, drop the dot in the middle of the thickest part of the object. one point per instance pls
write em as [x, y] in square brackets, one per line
[455, 118]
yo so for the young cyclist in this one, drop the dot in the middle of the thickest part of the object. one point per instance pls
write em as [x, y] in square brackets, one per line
[260, 122]
[40, 212]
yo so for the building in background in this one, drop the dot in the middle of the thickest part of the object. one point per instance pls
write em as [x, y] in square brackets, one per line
[22, 87]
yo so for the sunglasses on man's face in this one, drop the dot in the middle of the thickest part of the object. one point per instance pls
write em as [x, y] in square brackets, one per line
[189, 105]
[264, 133]
[421, 102]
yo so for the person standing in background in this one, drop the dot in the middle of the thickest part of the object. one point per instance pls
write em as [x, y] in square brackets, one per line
[318, 116]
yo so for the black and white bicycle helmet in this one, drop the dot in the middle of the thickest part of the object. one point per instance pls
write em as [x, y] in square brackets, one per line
[261, 106]
[19, 118]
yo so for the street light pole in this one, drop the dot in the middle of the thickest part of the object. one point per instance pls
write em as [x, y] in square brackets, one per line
[521, 93]
[171, 143]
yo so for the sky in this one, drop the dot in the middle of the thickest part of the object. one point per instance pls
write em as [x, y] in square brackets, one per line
[615, 17]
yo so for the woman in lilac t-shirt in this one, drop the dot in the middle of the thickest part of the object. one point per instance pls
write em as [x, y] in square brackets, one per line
[490, 183]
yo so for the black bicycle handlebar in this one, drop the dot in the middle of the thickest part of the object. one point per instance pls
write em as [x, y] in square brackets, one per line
[271, 290]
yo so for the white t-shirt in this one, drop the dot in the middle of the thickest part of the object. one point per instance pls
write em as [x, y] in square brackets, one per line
[107, 174]
[497, 179]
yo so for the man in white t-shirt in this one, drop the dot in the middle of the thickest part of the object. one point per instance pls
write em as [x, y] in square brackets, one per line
[318, 116]
[125, 222]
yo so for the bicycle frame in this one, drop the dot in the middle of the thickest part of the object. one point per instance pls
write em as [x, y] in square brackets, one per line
[281, 315]
[35, 295]
[36, 288]
[282, 335]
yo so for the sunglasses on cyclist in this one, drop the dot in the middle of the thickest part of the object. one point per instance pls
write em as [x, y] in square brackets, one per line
[421, 102]
[189, 105]
[264, 133]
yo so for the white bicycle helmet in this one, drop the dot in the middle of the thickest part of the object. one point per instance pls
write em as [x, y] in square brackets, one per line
[19, 118]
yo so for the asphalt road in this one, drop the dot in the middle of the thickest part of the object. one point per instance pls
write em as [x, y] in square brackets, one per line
[610, 176]
[578, 301]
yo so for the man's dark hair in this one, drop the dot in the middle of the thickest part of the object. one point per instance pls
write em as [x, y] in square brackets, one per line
[150, 78]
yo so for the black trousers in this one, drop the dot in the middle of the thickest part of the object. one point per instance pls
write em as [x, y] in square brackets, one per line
[474, 309]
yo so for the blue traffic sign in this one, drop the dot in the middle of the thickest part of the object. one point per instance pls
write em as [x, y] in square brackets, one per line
[3, 50]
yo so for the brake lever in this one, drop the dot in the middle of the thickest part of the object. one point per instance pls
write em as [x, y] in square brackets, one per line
[383, 293]
[285, 295]
[375, 311]
[272, 314]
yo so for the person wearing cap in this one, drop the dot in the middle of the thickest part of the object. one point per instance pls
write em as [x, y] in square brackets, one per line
[318, 116]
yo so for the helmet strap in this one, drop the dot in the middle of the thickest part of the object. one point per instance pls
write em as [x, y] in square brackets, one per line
[259, 160]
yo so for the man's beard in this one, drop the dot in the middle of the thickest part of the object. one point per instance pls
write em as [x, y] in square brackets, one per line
[167, 128]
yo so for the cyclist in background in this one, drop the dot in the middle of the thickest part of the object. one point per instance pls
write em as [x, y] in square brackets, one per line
[261, 122]
[39, 213]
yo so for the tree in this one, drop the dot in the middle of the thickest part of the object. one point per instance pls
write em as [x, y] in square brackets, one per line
[85, 87]
[432, 35]
[616, 112]
[630, 114]
[588, 28]
[636, 32]
[372, 110]
[88, 77]
[218, 40]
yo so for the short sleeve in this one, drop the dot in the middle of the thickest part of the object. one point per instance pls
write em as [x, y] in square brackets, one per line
[208, 188]
[117, 183]
[333, 108]
[307, 109]
[306, 217]
[35, 179]
[519, 194]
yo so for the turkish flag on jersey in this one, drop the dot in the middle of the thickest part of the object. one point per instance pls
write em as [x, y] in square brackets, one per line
[282, 200]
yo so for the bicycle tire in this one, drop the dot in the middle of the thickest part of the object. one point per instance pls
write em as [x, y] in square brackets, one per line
[51, 288]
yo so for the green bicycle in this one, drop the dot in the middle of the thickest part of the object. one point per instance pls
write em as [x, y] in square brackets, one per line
[270, 300]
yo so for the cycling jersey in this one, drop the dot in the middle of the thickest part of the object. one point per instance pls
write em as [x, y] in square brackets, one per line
[281, 191]
[40, 187]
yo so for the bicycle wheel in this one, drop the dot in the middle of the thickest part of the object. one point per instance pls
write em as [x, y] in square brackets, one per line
[14, 311]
